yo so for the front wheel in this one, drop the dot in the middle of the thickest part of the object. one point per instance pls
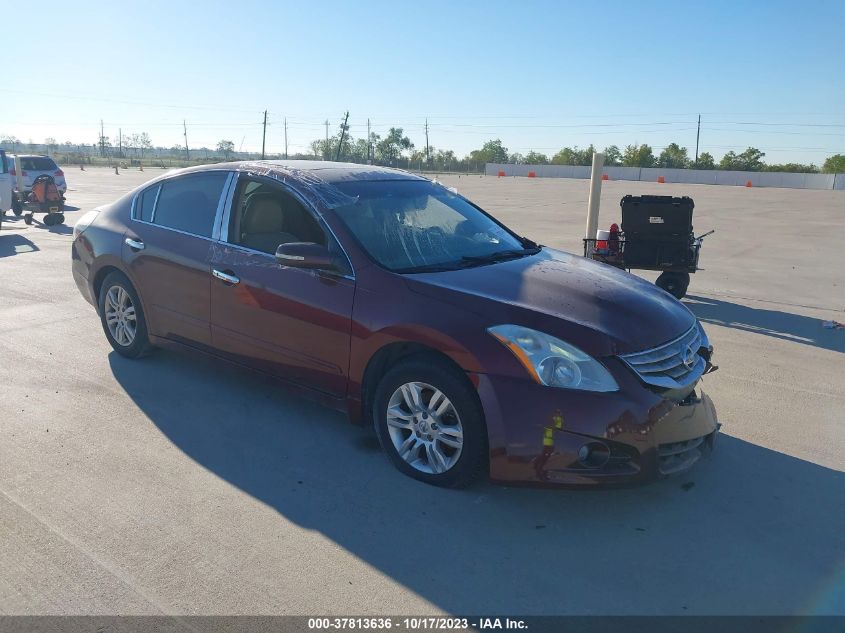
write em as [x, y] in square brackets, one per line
[430, 423]
[122, 316]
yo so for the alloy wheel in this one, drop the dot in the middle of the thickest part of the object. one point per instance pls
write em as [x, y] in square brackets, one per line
[121, 318]
[424, 427]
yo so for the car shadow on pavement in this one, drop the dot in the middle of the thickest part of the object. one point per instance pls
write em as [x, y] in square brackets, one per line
[15, 244]
[782, 325]
[747, 531]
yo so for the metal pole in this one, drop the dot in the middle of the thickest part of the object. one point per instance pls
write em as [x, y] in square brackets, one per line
[342, 134]
[595, 199]
[187, 151]
[697, 134]
[326, 149]
[369, 144]
[426, 141]
[264, 135]
[286, 138]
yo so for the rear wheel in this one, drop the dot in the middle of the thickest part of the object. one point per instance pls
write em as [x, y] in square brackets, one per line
[122, 316]
[17, 207]
[430, 424]
[674, 283]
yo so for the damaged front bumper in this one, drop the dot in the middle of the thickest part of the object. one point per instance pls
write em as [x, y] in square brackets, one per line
[546, 436]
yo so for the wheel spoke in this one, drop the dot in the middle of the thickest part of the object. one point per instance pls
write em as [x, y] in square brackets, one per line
[129, 313]
[406, 450]
[451, 436]
[438, 403]
[397, 421]
[411, 395]
[436, 459]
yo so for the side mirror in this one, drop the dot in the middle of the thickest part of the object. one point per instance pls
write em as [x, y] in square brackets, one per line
[305, 255]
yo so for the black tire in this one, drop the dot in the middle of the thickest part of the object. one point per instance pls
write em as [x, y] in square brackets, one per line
[140, 344]
[471, 462]
[17, 207]
[28, 218]
[49, 219]
[60, 218]
[674, 283]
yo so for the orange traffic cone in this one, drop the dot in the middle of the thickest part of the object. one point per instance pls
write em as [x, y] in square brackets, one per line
[661, 179]
[748, 184]
[605, 177]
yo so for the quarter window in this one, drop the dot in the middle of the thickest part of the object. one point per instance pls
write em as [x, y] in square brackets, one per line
[145, 202]
[189, 203]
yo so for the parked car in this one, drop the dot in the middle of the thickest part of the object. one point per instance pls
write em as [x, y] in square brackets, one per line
[468, 347]
[32, 166]
[6, 186]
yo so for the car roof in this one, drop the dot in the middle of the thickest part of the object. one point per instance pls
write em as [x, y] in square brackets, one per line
[307, 171]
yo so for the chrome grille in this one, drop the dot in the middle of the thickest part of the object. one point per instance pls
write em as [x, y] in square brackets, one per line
[673, 365]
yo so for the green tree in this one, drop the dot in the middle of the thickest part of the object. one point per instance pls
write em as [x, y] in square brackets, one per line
[749, 160]
[795, 168]
[705, 161]
[144, 143]
[612, 156]
[638, 156]
[674, 157]
[536, 158]
[517, 159]
[490, 152]
[226, 148]
[390, 148]
[833, 165]
[566, 156]
[51, 144]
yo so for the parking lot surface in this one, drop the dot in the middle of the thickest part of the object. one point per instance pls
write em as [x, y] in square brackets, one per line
[177, 485]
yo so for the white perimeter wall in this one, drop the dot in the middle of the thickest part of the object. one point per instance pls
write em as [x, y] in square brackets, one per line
[692, 176]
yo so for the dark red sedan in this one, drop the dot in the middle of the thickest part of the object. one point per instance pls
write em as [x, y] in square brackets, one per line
[469, 348]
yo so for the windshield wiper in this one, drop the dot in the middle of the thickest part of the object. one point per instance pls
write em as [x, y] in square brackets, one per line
[499, 256]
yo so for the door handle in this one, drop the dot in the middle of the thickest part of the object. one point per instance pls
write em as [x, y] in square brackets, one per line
[135, 245]
[225, 277]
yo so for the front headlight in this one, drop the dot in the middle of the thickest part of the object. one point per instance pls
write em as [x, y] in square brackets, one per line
[552, 362]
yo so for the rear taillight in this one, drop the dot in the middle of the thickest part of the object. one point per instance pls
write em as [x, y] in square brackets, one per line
[59, 172]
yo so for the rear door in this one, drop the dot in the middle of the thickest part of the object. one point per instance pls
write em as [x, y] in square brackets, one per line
[5, 184]
[167, 248]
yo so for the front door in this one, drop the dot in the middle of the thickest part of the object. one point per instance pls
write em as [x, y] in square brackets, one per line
[291, 322]
[167, 248]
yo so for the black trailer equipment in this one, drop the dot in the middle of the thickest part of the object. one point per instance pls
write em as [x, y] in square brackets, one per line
[656, 235]
[44, 197]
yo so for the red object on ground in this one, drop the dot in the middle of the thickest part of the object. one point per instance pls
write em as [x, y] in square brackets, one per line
[613, 242]
[661, 179]
[748, 184]
[501, 173]
[532, 174]
[605, 177]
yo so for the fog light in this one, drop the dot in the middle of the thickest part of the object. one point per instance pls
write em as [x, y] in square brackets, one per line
[593, 454]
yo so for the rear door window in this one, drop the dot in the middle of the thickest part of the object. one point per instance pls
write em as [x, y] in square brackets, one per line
[37, 163]
[190, 203]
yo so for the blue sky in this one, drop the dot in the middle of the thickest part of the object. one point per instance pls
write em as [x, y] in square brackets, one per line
[538, 75]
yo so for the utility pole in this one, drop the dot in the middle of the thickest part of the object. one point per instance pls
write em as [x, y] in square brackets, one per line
[369, 144]
[102, 139]
[426, 142]
[697, 135]
[187, 151]
[286, 138]
[120, 142]
[342, 134]
[326, 149]
[264, 135]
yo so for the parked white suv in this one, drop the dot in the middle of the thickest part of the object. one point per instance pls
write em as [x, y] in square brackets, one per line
[32, 166]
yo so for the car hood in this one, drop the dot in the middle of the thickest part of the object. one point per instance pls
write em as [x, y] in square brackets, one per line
[599, 308]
